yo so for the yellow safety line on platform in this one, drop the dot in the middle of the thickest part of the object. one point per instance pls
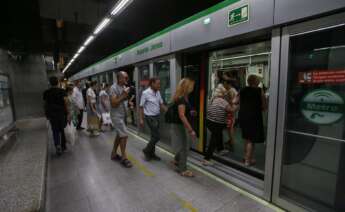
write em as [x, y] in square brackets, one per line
[141, 166]
[229, 185]
[185, 204]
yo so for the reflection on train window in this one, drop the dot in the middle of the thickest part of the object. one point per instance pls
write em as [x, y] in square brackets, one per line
[230, 69]
[161, 70]
[144, 77]
[314, 149]
[132, 112]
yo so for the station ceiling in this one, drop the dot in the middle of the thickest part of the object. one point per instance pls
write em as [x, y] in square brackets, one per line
[30, 26]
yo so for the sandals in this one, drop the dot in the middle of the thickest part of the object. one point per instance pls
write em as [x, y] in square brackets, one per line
[187, 173]
[117, 157]
[126, 163]
[207, 163]
[249, 162]
[174, 163]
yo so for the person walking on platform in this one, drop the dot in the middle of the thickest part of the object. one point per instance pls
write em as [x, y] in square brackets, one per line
[56, 112]
[181, 125]
[151, 103]
[119, 95]
[79, 101]
[92, 114]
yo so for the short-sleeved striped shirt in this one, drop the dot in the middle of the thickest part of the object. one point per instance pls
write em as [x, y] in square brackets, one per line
[216, 110]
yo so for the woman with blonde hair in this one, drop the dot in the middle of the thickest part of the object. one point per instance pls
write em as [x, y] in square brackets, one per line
[181, 125]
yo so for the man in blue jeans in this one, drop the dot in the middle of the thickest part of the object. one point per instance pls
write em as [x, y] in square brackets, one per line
[56, 113]
[151, 104]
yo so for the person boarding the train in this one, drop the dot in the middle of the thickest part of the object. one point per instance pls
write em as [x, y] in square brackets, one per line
[151, 104]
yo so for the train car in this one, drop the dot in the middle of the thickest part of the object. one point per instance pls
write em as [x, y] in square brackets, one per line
[297, 49]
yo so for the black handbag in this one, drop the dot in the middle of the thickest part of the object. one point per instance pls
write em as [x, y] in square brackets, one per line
[171, 116]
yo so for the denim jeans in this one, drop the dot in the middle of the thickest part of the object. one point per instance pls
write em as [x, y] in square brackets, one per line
[153, 124]
[59, 136]
[80, 118]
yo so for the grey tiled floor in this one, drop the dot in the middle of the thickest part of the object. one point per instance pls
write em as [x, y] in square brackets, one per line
[85, 179]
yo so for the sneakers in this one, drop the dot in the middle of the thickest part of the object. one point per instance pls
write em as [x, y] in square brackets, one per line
[58, 150]
[151, 157]
[155, 157]
[147, 157]
[223, 152]
[64, 150]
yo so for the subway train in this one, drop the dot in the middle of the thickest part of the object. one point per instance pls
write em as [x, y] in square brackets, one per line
[297, 49]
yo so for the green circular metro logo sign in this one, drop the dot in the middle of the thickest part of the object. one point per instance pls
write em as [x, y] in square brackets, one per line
[322, 107]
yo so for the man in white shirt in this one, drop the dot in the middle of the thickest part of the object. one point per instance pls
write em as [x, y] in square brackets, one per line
[79, 100]
[151, 104]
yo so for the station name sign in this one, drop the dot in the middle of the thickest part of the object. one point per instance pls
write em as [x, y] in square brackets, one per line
[150, 48]
[322, 77]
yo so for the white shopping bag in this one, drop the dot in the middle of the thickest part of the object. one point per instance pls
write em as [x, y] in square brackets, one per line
[106, 118]
[70, 134]
[84, 122]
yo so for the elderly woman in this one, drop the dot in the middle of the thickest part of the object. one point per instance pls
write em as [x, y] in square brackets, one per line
[217, 113]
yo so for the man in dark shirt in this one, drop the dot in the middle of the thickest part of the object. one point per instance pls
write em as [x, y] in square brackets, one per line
[56, 113]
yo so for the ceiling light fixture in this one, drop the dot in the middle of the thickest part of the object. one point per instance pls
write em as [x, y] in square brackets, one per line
[102, 25]
[81, 49]
[89, 40]
[119, 6]
[75, 56]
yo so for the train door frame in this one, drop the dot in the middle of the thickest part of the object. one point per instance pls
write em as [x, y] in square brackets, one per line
[264, 188]
[287, 33]
[175, 75]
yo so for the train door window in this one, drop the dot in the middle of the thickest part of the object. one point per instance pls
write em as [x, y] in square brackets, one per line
[192, 68]
[132, 113]
[110, 77]
[144, 77]
[161, 70]
[243, 74]
[313, 164]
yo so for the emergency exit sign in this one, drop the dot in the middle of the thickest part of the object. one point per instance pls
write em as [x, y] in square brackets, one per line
[239, 15]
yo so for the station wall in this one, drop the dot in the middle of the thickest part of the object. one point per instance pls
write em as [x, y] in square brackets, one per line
[28, 81]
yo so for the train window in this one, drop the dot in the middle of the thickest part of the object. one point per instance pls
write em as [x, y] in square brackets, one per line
[161, 69]
[232, 70]
[144, 77]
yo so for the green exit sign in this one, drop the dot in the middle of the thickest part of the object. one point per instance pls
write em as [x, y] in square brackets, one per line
[239, 15]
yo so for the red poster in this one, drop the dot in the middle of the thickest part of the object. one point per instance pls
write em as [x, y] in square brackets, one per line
[144, 82]
[322, 77]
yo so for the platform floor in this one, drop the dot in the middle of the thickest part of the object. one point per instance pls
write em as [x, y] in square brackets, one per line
[86, 180]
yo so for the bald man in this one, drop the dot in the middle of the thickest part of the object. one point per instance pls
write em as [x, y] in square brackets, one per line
[119, 96]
